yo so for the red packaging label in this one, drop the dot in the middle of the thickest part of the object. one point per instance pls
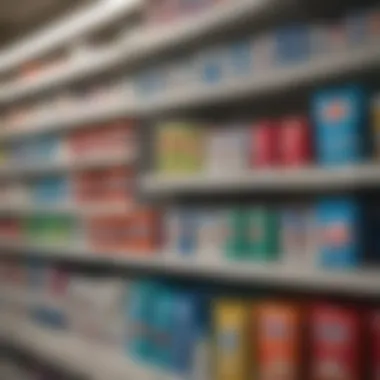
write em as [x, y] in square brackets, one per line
[375, 338]
[335, 345]
[264, 138]
[294, 140]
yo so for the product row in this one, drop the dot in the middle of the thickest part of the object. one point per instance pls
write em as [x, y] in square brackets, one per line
[332, 233]
[98, 187]
[196, 332]
[343, 128]
[132, 233]
[100, 142]
[256, 55]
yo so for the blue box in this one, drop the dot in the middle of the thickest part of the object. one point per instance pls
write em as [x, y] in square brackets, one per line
[339, 233]
[212, 66]
[240, 58]
[339, 116]
[292, 44]
[189, 221]
[51, 190]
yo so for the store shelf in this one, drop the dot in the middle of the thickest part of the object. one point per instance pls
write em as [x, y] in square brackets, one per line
[89, 115]
[273, 180]
[81, 23]
[144, 43]
[361, 282]
[74, 354]
[268, 81]
[77, 210]
[65, 166]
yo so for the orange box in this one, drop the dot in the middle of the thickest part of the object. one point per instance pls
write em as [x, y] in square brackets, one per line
[277, 336]
[134, 232]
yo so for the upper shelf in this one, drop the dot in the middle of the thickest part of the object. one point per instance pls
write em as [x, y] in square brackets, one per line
[57, 35]
[143, 43]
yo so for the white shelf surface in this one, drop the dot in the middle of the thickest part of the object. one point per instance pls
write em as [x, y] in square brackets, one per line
[294, 179]
[359, 282]
[269, 81]
[15, 171]
[73, 353]
[143, 43]
[89, 115]
[60, 33]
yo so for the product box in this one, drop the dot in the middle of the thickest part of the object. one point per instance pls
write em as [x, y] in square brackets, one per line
[261, 234]
[10, 228]
[139, 313]
[264, 50]
[172, 231]
[227, 149]
[375, 111]
[235, 234]
[231, 323]
[264, 144]
[51, 190]
[211, 231]
[298, 235]
[162, 327]
[375, 345]
[357, 28]
[180, 148]
[294, 141]
[373, 20]
[160, 12]
[212, 66]
[240, 59]
[337, 36]
[335, 343]
[188, 229]
[339, 230]
[339, 117]
[293, 44]
[277, 339]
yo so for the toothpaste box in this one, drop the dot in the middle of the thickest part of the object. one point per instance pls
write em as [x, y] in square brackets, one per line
[373, 20]
[261, 241]
[278, 332]
[231, 321]
[335, 343]
[264, 49]
[189, 224]
[338, 225]
[227, 149]
[139, 310]
[51, 190]
[264, 145]
[293, 44]
[235, 234]
[340, 125]
[294, 141]
[212, 66]
[297, 234]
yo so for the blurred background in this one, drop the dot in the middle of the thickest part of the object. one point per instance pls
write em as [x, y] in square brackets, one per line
[189, 190]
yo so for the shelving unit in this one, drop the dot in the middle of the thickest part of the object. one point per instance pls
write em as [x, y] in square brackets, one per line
[123, 57]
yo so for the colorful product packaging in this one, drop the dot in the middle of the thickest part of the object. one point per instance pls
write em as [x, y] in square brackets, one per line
[227, 149]
[297, 234]
[51, 190]
[264, 144]
[338, 225]
[293, 44]
[231, 323]
[187, 243]
[340, 122]
[335, 343]
[375, 108]
[235, 235]
[294, 141]
[278, 340]
[261, 234]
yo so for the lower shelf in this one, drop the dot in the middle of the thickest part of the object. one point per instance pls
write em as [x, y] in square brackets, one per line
[73, 354]
[359, 282]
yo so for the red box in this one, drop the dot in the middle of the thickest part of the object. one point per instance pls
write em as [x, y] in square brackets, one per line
[264, 144]
[335, 343]
[375, 345]
[10, 228]
[294, 141]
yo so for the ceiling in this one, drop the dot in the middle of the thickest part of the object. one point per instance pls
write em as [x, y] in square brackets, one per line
[19, 17]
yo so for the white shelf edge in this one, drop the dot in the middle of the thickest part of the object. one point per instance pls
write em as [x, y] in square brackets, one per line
[142, 43]
[303, 179]
[359, 282]
[73, 353]
[15, 171]
[83, 22]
